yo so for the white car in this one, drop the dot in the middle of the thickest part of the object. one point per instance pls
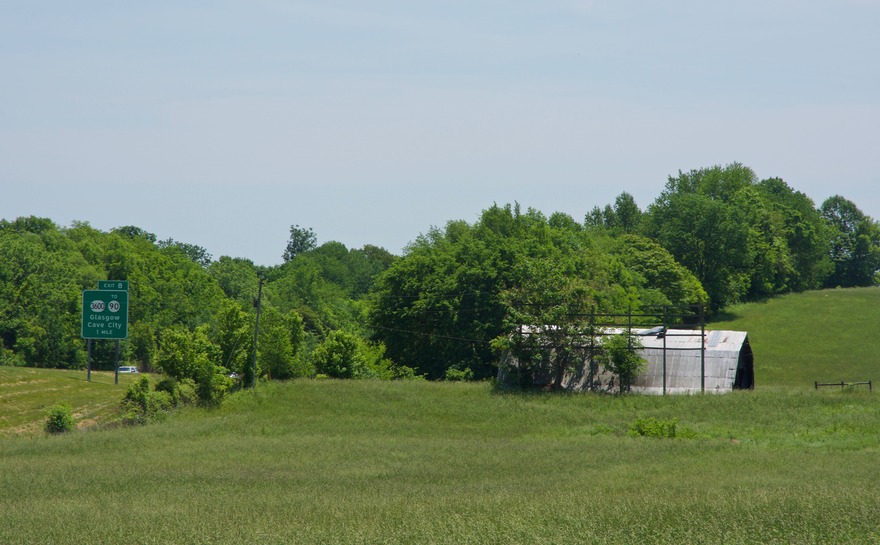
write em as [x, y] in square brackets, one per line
[128, 369]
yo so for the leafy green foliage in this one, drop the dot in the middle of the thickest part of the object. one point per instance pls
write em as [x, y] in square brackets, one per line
[459, 296]
[302, 239]
[185, 355]
[746, 239]
[281, 342]
[715, 235]
[59, 419]
[548, 319]
[181, 392]
[855, 244]
[339, 356]
[624, 217]
[39, 295]
[459, 375]
[141, 404]
[232, 332]
[194, 252]
[237, 277]
[619, 355]
[706, 236]
[662, 281]
[653, 427]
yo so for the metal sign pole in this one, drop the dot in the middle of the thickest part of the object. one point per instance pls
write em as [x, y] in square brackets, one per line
[702, 349]
[89, 360]
[664, 350]
[116, 365]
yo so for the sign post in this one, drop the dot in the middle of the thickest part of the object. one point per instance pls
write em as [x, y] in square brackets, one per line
[105, 316]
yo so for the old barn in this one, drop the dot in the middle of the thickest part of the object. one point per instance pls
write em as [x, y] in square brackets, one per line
[678, 361]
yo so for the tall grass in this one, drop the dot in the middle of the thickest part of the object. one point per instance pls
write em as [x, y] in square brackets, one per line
[412, 462]
[373, 462]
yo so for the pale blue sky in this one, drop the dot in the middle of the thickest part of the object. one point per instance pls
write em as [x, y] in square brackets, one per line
[223, 123]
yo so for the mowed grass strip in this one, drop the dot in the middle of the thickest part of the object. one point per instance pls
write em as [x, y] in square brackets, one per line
[26, 394]
[413, 462]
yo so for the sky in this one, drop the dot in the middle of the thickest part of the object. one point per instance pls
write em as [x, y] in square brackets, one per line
[222, 123]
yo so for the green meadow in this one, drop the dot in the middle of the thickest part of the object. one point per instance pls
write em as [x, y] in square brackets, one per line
[816, 336]
[363, 462]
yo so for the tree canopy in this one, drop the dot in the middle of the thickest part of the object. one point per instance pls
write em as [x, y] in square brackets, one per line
[457, 290]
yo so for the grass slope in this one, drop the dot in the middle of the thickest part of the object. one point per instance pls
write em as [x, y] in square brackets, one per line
[824, 336]
[414, 462]
[26, 394]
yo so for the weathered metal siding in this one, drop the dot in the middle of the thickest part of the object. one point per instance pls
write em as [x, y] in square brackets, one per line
[684, 364]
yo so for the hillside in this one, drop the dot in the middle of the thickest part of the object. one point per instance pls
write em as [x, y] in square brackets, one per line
[824, 336]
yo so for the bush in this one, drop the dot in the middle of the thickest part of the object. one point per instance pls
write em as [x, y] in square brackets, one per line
[340, 356]
[652, 427]
[212, 383]
[459, 375]
[59, 419]
[140, 405]
[404, 372]
[620, 356]
[180, 392]
[169, 385]
[186, 392]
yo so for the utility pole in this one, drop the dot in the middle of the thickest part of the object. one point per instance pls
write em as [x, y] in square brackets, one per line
[257, 329]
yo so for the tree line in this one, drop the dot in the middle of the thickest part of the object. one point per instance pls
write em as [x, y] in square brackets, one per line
[445, 308]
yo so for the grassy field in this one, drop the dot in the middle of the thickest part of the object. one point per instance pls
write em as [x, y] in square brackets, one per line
[824, 336]
[373, 462]
[448, 463]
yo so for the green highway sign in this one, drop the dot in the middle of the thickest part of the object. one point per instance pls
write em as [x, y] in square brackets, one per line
[105, 314]
[113, 285]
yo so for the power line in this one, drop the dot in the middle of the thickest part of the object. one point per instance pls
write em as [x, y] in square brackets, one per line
[434, 335]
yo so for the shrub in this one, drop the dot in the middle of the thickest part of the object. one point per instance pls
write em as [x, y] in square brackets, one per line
[169, 385]
[180, 392]
[160, 403]
[186, 391]
[405, 372]
[620, 356]
[653, 427]
[59, 419]
[339, 356]
[10, 358]
[212, 383]
[140, 405]
[459, 375]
